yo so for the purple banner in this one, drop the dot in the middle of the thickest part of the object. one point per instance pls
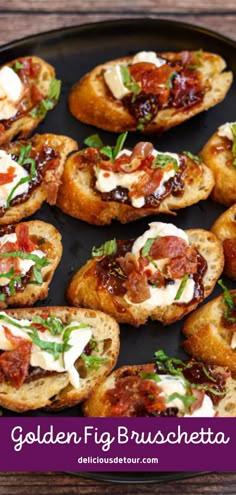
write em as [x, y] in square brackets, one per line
[114, 444]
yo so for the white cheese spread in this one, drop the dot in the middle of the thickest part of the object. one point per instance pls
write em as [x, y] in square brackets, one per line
[225, 130]
[163, 296]
[233, 341]
[11, 89]
[107, 181]
[78, 339]
[6, 162]
[113, 75]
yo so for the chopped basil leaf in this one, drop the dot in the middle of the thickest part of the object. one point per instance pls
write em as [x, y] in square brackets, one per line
[53, 348]
[113, 152]
[162, 160]
[49, 102]
[109, 247]
[151, 376]
[233, 130]
[39, 263]
[148, 244]
[195, 158]
[53, 324]
[228, 300]
[93, 362]
[107, 150]
[70, 329]
[169, 83]
[2, 297]
[182, 287]
[129, 81]
[7, 274]
[94, 141]
[187, 400]
[198, 64]
[22, 160]
[17, 66]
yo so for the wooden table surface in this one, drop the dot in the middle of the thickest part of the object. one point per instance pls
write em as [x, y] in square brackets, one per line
[19, 18]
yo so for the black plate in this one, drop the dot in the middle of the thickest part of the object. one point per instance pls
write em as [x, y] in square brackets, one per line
[73, 52]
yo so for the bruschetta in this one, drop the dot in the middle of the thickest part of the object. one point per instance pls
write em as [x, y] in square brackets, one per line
[102, 183]
[211, 331]
[29, 255]
[30, 172]
[150, 92]
[28, 90]
[225, 229]
[169, 387]
[163, 274]
[53, 356]
[219, 154]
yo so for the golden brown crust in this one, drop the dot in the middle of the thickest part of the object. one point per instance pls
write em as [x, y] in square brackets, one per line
[54, 391]
[219, 158]
[207, 337]
[78, 198]
[82, 289]
[225, 229]
[49, 240]
[62, 145]
[90, 102]
[22, 125]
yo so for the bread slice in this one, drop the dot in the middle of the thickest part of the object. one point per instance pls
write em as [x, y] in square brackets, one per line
[101, 400]
[225, 229]
[53, 389]
[91, 102]
[218, 156]
[49, 152]
[47, 239]
[85, 287]
[39, 95]
[78, 196]
[208, 338]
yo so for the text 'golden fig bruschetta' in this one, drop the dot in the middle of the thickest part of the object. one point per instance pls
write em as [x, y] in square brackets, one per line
[169, 387]
[28, 90]
[211, 331]
[29, 255]
[54, 356]
[102, 183]
[225, 229]
[163, 274]
[30, 174]
[219, 154]
[150, 91]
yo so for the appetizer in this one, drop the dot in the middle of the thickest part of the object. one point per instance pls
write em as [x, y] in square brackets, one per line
[225, 229]
[53, 356]
[102, 183]
[150, 92]
[163, 274]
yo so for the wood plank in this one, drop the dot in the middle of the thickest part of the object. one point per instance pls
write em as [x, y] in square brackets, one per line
[157, 6]
[22, 25]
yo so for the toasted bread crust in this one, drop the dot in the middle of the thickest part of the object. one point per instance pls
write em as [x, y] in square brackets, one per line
[225, 229]
[207, 337]
[219, 158]
[54, 391]
[82, 290]
[98, 405]
[49, 242]
[23, 124]
[77, 196]
[62, 145]
[91, 103]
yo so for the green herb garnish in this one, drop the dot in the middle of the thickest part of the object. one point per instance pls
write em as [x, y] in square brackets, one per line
[195, 158]
[93, 141]
[198, 64]
[143, 121]
[151, 376]
[148, 244]
[93, 362]
[111, 152]
[17, 66]
[23, 159]
[187, 400]
[109, 247]
[182, 287]
[129, 81]
[169, 83]
[49, 102]
[162, 160]
[228, 300]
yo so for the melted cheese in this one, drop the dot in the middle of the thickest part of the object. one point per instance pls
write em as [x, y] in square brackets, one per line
[6, 162]
[233, 341]
[11, 89]
[24, 265]
[79, 338]
[163, 296]
[113, 76]
[107, 181]
[225, 130]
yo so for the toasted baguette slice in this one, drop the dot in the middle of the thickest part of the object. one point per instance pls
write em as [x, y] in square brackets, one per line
[39, 94]
[209, 338]
[49, 152]
[88, 289]
[79, 197]
[217, 154]
[126, 391]
[91, 101]
[27, 287]
[53, 389]
[225, 229]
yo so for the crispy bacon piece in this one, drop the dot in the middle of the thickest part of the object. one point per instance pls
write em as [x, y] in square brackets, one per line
[199, 395]
[168, 246]
[7, 177]
[181, 265]
[136, 283]
[24, 242]
[14, 364]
